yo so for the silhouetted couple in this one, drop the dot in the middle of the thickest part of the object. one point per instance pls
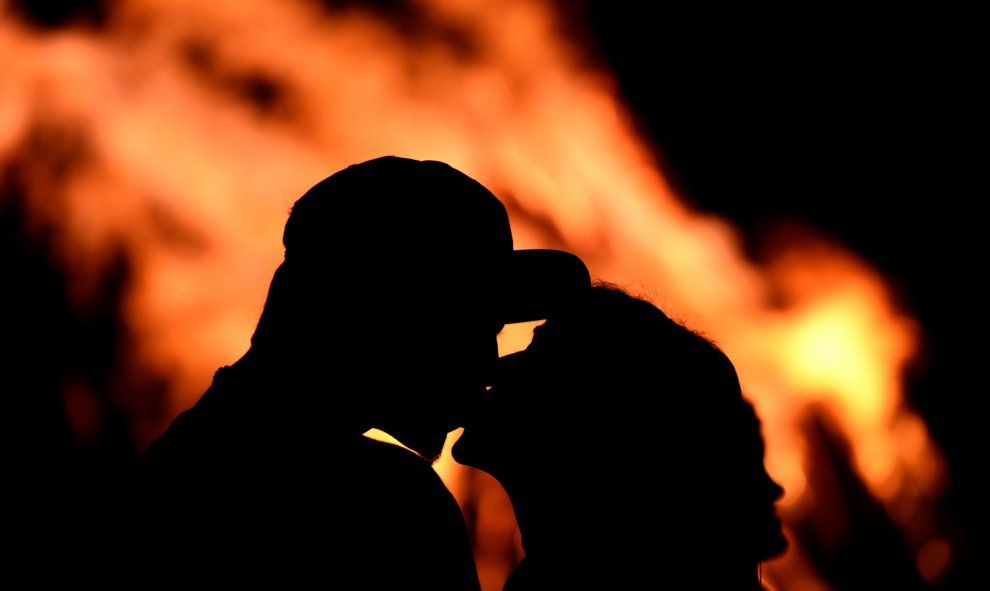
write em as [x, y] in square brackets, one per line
[623, 439]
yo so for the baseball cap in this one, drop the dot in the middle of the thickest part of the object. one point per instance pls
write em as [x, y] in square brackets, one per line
[416, 220]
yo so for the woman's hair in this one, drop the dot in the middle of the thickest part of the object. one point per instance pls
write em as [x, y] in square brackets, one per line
[659, 402]
[649, 364]
[625, 435]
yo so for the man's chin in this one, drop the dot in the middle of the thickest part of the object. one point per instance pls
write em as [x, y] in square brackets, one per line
[429, 447]
[431, 458]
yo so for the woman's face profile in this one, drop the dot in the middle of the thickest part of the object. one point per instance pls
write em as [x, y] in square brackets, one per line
[758, 507]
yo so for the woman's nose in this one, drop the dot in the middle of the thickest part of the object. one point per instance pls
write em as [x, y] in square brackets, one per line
[775, 489]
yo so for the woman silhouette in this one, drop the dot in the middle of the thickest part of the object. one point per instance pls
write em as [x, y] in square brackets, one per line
[629, 454]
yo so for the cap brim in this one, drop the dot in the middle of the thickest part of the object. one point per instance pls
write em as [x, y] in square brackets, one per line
[537, 280]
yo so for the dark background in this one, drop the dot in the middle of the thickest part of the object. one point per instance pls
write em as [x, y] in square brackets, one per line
[861, 124]
[864, 125]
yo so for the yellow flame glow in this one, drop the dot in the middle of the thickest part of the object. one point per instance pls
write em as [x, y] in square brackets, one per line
[195, 181]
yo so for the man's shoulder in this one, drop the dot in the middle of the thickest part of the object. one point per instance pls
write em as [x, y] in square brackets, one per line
[189, 430]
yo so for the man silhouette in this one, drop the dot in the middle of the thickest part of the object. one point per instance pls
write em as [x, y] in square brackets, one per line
[398, 275]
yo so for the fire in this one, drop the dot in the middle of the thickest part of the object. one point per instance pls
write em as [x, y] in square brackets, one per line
[188, 129]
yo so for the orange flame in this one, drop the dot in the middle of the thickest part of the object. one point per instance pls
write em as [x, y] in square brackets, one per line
[201, 122]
